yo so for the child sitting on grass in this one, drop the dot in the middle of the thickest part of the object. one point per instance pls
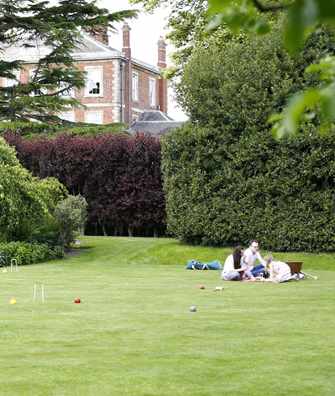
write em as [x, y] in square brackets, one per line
[279, 271]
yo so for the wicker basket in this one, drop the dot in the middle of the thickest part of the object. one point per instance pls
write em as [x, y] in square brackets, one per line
[295, 266]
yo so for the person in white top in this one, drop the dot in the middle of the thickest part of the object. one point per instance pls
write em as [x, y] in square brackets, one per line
[249, 258]
[279, 271]
[232, 270]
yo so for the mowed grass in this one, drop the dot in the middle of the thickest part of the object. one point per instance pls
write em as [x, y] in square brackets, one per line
[133, 334]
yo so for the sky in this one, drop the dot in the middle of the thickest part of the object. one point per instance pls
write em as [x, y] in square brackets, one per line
[145, 32]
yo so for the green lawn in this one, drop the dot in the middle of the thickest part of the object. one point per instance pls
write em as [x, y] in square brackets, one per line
[133, 334]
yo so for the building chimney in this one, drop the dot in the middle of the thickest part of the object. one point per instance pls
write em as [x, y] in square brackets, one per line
[126, 49]
[162, 83]
[161, 53]
[128, 74]
[100, 34]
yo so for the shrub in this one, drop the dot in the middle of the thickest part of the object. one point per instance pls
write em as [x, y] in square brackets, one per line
[281, 193]
[28, 253]
[226, 179]
[33, 129]
[71, 214]
[236, 84]
[119, 176]
[7, 154]
[25, 201]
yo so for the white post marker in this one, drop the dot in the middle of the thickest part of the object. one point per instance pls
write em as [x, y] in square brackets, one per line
[13, 265]
[39, 290]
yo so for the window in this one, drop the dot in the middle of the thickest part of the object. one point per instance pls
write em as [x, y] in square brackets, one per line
[36, 92]
[94, 81]
[67, 116]
[10, 82]
[94, 117]
[135, 86]
[68, 93]
[152, 92]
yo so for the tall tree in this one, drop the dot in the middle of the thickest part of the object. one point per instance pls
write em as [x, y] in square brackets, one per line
[191, 20]
[302, 18]
[56, 26]
[187, 23]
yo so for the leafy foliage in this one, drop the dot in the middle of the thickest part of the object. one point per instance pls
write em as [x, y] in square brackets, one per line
[304, 105]
[25, 201]
[31, 129]
[118, 175]
[193, 23]
[28, 253]
[226, 179]
[7, 155]
[71, 214]
[302, 18]
[238, 84]
[222, 192]
[187, 25]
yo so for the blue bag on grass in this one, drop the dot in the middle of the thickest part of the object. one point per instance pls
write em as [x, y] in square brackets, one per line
[198, 265]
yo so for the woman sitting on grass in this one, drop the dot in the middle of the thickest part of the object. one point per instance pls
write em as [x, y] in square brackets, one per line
[232, 270]
[279, 271]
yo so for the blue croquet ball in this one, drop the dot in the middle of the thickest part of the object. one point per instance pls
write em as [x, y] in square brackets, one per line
[193, 308]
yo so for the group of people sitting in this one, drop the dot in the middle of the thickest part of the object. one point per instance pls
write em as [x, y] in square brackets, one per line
[241, 265]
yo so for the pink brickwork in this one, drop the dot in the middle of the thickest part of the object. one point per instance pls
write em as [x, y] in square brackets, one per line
[110, 103]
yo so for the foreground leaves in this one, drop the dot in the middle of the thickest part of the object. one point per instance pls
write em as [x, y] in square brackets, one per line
[304, 105]
[302, 18]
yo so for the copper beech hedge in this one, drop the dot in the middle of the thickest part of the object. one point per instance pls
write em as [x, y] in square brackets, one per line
[119, 176]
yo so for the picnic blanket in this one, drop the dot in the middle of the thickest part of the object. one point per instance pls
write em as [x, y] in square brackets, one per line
[198, 265]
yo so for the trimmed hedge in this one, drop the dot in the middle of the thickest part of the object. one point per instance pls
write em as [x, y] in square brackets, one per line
[33, 129]
[28, 253]
[223, 192]
[226, 179]
[119, 176]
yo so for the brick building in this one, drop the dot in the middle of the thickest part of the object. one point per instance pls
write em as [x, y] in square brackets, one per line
[118, 86]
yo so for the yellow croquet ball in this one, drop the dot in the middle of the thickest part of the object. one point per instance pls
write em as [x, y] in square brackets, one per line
[12, 301]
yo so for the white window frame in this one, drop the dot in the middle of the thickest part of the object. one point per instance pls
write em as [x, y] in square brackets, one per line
[66, 94]
[89, 86]
[100, 114]
[152, 92]
[68, 116]
[10, 82]
[135, 81]
[43, 91]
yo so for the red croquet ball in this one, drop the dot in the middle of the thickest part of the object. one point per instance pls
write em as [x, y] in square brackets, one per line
[77, 300]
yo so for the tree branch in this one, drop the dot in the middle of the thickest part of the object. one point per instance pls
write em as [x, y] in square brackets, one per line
[59, 92]
[268, 8]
